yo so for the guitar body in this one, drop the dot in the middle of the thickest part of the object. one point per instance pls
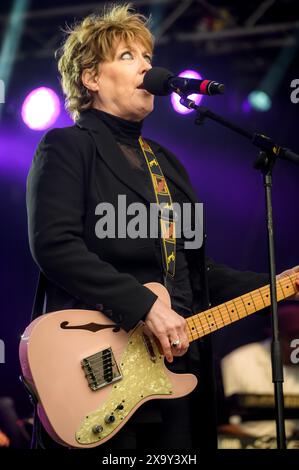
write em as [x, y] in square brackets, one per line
[90, 376]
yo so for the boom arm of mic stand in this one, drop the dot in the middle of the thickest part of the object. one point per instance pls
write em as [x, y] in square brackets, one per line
[259, 140]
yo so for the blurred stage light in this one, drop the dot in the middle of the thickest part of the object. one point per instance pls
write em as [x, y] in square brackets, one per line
[175, 98]
[40, 108]
[259, 100]
[12, 33]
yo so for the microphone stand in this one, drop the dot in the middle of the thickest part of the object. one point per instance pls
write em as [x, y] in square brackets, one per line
[268, 154]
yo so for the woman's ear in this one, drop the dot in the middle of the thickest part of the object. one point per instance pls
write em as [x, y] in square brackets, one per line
[90, 79]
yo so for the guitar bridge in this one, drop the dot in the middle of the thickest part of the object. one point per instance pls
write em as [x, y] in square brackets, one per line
[101, 369]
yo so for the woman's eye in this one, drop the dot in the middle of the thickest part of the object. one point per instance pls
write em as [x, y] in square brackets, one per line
[127, 53]
[149, 58]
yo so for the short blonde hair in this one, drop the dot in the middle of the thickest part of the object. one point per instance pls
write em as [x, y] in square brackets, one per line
[93, 40]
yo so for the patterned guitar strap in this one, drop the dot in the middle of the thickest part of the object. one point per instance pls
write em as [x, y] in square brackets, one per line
[166, 212]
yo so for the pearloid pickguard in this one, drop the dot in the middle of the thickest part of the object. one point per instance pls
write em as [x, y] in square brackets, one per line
[142, 378]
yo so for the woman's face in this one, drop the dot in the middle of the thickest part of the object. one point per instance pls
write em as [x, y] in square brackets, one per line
[117, 82]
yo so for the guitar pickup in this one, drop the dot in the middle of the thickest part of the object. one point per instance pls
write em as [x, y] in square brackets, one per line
[101, 369]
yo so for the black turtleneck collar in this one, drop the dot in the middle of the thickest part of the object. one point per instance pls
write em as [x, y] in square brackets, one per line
[127, 132]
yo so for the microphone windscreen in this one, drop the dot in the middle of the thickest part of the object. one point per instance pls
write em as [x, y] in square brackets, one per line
[156, 81]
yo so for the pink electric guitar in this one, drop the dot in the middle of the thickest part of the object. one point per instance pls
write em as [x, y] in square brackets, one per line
[90, 376]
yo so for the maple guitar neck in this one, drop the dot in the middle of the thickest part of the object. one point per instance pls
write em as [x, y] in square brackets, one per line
[206, 322]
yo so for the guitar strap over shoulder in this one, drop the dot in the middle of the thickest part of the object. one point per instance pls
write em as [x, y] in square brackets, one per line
[166, 211]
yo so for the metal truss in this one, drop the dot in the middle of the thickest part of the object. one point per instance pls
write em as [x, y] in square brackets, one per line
[42, 32]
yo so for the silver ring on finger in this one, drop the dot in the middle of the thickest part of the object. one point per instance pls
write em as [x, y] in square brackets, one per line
[176, 343]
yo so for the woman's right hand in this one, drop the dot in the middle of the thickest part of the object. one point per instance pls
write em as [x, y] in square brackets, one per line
[168, 326]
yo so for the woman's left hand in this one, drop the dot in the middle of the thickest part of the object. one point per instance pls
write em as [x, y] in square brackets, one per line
[288, 272]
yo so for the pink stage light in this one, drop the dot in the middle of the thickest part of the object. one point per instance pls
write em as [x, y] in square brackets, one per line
[175, 98]
[40, 108]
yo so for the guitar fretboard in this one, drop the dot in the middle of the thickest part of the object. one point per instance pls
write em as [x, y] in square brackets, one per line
[206, 322]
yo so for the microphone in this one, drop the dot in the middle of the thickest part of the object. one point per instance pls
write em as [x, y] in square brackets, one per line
[161, 82]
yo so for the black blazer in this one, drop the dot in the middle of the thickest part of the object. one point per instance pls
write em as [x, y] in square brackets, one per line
[73, 170]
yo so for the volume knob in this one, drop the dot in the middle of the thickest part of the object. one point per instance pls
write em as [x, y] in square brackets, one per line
[109, 419]
[97, 428]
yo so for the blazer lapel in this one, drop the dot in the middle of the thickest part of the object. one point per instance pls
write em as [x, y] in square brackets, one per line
[110, 152]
